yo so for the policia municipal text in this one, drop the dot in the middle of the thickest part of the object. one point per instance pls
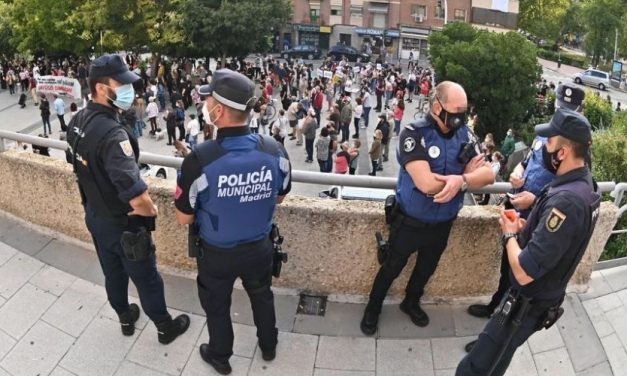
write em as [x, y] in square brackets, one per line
[119, 212]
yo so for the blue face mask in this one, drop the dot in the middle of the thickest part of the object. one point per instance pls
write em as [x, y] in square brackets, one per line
[124, 96]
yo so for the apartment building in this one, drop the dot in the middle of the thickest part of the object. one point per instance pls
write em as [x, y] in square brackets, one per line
[394, 26]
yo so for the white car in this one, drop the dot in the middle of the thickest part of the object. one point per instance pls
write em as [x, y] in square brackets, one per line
[593, 77]
[357, 193]
[152, 171]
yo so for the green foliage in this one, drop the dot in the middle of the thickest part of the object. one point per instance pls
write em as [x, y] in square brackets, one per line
[602, 18]
[598, 111]
[567, 59]
[616, 246]
[498, 72]
[543, 18]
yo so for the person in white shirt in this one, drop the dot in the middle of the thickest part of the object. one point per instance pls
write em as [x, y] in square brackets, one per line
[367, 106]
[59, 108]
[358, 111]
[152, 110]
[280, 127]
[192, 128]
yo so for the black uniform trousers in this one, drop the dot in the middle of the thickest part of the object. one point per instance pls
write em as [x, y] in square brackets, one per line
[504, 283]
[430, 242]
[117, 269]
[490, 342]
[217, 271]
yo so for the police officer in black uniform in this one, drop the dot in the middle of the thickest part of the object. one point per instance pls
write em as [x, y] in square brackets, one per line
[119, 212]
[228, 189]
[544, 250]
[438, 163]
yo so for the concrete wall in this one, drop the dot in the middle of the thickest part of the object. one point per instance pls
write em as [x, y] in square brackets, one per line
[331, 244]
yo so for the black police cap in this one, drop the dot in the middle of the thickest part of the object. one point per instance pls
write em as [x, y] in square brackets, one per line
[112, 66]
[569, 97]
[568, 124]
[230, 88]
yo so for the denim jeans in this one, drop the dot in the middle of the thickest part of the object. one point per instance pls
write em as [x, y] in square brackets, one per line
[366, 116]
[309, 146]
[137, 129]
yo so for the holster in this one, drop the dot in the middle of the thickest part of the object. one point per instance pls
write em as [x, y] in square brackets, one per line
[194, 242]
[552, 315]
[512, 307]
[137, 246]
[391, 209]
[278, 256]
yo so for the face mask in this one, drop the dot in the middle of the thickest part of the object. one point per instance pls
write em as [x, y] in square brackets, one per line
[124, 96]
[550, 159]
[452, 121]
[206, 114]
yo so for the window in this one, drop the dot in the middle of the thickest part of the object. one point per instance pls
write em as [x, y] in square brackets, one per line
[460, 15]
[314, 15]
[336, 11]
[356, 11]
[439, 12]
[419, 13]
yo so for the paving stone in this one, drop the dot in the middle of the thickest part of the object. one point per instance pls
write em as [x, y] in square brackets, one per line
[448, 352]
[296, 354]
[24, 309]
[554, 363]
[107, 312]
[601, 369]
[65, 256]
[616, 277]
[445, 372]
[6, 224]
[75, 309]
[2, 301]
[597, 286]
[522, 363]
[579, 335]
[99, 350]
[393, 323]
[618, 320]
[26, 240]
[244, 341]
[131, 369]
[545, 340]
[171, 358]
[284, 307]
[38, 352]
[182, 294]
[3, 372]
[93, 273]
[6, 344]
[404, 357]
[465, 324]
[6, 252]
[609, 302]
[598, 318]
[52, 280]
[622, 295]
[346, 353]
[61, 372]
[16, 272]
[339, 320]
[334, 372]
[615, 354]
[198, 367]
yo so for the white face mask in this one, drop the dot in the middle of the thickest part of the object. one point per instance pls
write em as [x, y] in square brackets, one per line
[206, 113]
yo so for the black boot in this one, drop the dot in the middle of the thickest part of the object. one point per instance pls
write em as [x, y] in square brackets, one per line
[169, 330]
[268, 354]
[370, 320]
[480, 310]
[221, 367]
[412, 308]
[128, 319]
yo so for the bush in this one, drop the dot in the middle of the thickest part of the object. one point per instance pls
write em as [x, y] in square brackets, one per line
[568, 59]
[598, 111]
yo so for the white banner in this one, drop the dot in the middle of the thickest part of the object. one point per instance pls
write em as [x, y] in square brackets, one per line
[328, 74]
[62, 86]
[319, 73]
[339, 74]
[356, 69]
[379, 67]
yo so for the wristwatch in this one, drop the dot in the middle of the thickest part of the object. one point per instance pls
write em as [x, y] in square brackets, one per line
[464, 187]
[506, 236]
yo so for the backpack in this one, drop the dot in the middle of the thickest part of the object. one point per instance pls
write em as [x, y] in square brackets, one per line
[180, 114]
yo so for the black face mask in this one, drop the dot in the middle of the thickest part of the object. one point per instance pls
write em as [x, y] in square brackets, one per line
[452, 120]
[550, 159]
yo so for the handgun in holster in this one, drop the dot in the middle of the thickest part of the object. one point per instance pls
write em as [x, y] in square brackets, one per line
[137, 245]
[194, 242]
[278, 256]
[391, 216]
[552, 315]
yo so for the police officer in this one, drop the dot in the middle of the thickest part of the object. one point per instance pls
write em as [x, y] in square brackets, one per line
[528, 179]
[544, 250]
[119, 212]
[436, 170]
[229, 188]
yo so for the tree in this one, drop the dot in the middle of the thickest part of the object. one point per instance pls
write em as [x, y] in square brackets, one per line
[498, 72]
[7, 49]
[543, 18]
[233, 28]
[602, 18]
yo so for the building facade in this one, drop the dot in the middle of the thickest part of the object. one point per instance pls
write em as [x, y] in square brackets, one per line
[393, 27]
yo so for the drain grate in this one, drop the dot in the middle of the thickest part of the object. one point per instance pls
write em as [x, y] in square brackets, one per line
[312, 305]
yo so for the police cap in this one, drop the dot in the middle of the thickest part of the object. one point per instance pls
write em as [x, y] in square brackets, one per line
[112, 66]
[568, 124]
[569, 97]
[230, 88]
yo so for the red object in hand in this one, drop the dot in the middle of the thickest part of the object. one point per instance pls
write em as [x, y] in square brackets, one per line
[511, 214]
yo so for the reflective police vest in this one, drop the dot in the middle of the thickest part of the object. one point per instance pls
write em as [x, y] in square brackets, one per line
[86, 131]
[243, 176]
[442, 153]
[536, 174]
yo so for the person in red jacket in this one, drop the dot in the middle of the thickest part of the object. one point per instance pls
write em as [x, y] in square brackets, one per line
[317, 98]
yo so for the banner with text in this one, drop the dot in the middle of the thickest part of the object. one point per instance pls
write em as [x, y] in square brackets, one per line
[59, 85]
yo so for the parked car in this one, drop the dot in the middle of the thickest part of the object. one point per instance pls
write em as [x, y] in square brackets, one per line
[152, 171]
[356, 193]
[593, 77]
[306, 51]
[351, 53]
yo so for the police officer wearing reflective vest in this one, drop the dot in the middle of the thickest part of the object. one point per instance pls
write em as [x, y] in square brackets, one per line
[528, 179]
[544, 250]
[228, 189]
[438, 164]
[119, 212]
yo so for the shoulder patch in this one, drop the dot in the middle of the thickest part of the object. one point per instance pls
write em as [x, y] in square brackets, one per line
[409, 144]
[127, 149]
[555, 220]
[434, 152]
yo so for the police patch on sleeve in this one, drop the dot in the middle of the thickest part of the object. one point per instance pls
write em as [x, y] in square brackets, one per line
[409, 144]
[555, 220]
[127, 149]
[434, 152]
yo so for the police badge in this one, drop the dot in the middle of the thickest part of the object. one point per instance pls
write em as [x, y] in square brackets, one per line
[555, 220]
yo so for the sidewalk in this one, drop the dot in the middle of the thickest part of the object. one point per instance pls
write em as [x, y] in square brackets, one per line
[55, 320]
